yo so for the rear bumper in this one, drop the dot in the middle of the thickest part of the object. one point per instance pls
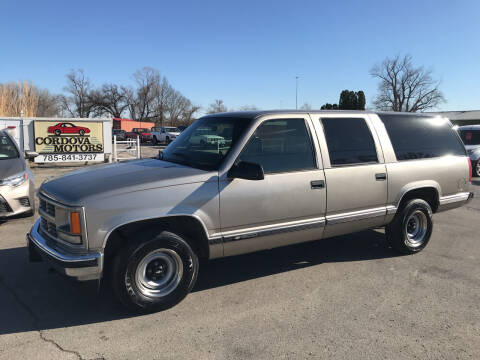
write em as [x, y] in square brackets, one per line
[454, 201]
[82, 267]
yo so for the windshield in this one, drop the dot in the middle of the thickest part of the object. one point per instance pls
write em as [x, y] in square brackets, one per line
[8, 150]
[142, 130]
[206, 142]
[171, 129]
[470, 137]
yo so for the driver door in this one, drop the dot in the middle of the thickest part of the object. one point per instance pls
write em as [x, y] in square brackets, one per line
[288, 205]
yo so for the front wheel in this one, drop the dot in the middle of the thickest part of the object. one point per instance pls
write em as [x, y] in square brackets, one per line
[81, 132]
[411, 229]
[476, 169]
[156, 274]
[154, 140]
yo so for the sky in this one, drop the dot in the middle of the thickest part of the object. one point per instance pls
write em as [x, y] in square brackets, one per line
[244, 52]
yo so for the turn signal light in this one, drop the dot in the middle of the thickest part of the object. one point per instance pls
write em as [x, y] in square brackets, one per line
[75, 227]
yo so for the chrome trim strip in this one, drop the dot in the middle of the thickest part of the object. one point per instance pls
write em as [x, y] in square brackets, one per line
[356, 215]
[268, 230]
[444, 200]
[391, 210]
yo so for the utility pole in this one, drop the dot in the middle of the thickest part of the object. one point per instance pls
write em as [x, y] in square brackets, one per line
[296, 92]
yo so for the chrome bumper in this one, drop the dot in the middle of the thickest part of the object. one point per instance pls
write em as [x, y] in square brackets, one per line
[82, 267]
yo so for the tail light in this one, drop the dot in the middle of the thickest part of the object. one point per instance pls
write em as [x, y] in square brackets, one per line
[469, 170]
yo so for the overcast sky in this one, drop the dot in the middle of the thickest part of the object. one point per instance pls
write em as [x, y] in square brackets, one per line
[244, 52]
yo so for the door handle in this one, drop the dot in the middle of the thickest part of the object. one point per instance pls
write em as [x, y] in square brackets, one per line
[317, 184]
[381, 176]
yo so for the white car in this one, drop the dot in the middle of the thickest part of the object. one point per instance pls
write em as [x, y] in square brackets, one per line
[164, 134]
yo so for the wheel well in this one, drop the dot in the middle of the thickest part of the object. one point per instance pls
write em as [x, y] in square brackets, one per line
[429, 194]
[186, 226]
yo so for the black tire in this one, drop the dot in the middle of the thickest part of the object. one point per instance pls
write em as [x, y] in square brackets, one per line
[155, 142]
[411, 229]
[476, 168]
[133, 293]
[167, 140]
[81, 132]
[57, 132]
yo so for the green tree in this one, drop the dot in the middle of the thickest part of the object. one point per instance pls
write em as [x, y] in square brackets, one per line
[351, 100]
[329, 106]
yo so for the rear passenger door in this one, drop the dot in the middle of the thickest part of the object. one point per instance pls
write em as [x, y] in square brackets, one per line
[355, 172]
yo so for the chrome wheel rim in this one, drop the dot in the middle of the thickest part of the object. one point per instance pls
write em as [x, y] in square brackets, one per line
[159, 273]
[416, 228]
[477, 168]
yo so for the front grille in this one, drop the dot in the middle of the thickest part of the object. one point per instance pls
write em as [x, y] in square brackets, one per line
[47, 207]
[48, 227]
[4, 207]
[24, 201]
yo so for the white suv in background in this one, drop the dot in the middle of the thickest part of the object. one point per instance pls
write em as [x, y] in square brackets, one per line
[164, 134]
[471, 138]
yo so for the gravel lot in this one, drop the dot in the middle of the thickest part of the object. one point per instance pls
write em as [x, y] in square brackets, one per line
[349, 297]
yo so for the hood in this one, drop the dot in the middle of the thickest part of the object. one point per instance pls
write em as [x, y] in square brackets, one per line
[9, 167]
[110, 179]
[472, 147]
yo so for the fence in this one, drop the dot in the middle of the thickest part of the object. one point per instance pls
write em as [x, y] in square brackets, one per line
[129, 149]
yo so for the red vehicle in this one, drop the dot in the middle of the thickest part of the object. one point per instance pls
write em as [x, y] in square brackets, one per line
[67, 128]
[143, 133]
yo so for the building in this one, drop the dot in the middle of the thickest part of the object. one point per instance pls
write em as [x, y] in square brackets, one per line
[469, 117]
[128, 124]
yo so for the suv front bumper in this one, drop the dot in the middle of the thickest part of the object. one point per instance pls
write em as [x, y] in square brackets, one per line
[82, 267]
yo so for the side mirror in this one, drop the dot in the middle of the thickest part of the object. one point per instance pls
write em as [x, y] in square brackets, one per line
[246, 170]
[30, 154]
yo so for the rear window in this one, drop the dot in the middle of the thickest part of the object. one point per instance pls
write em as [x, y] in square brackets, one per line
[470, 137]
[421, 137]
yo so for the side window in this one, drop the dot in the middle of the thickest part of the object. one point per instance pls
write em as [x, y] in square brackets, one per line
[282, 145]
[349, 141]
[421, 137]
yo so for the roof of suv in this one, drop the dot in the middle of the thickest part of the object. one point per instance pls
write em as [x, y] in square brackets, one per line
[257, 113]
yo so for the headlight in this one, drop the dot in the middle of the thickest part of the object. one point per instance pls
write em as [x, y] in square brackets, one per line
[15, 180]
[71, 230]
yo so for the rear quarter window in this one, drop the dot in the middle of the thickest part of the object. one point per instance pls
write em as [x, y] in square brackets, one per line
[470, 137]
[421, 137]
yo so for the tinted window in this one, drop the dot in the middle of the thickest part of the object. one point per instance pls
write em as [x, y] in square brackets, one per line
[349, 141]
[421, 137]
[7, 149]
[470, 137]
[281, 145]
[206, 142]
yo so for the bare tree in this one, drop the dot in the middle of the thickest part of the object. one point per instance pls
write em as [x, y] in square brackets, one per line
[404, 87]
[47, 104]
[216, 107]
[78, 102]
[18, 98]
[306, 106]
[248, 108]
[110, 99]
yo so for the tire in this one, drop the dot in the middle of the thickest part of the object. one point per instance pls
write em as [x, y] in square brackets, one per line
[167, 140]
[57, 132]
[155, 142]
[476, 168]
[411, 229]
[155, 274]
[81, 132]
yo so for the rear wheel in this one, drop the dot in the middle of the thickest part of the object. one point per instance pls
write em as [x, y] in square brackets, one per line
[411, 229]
[154, 140]
[81, 132]
[155, 274]
[57, 132]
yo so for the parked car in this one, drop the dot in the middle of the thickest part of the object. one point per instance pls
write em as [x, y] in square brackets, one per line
[283, 178]
[16, 180]
[144, 134]
[67, 128]
[164, 134]
[120, 134]
[471, 138]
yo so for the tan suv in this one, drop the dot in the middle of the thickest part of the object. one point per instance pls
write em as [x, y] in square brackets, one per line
[276, 178]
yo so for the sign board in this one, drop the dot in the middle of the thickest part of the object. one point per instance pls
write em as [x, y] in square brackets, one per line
[68, 141]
